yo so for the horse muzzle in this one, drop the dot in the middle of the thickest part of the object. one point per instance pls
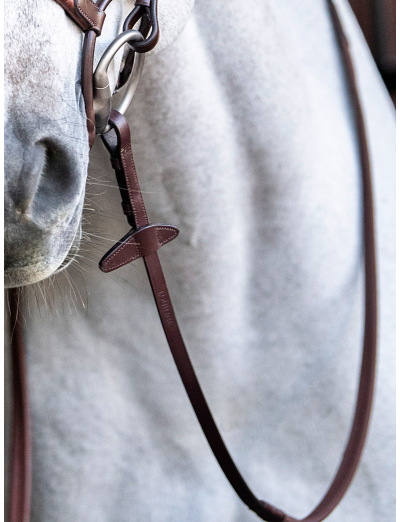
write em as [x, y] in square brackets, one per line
[43, 206]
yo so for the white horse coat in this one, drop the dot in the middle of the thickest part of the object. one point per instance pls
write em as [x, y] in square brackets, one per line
[243, 138]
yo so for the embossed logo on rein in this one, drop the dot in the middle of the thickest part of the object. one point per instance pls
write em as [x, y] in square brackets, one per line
[166, 308]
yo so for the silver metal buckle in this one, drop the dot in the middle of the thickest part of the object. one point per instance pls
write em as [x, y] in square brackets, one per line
[102, 95]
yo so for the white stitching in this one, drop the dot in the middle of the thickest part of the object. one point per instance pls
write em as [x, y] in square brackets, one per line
[119, 249]
[130, 190]
[86, 16]
[137, 245]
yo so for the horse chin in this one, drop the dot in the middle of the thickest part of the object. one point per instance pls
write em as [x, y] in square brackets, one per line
[25, 276]
[47, 259]
[72, 253]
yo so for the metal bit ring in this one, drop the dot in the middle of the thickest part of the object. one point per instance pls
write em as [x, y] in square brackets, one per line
[102, 95]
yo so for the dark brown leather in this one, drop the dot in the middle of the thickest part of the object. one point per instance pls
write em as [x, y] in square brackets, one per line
[148, 20]
[87, 74]
[137, 243]
[21, 447]
[85, 14]
[141, 10]
[118, 145]
[143, 241]
[87, 83]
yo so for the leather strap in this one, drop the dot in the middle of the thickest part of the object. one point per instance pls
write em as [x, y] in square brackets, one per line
[137, 243]
[85, 14]
[143, 2]
[119, 145]
[144, 240]
[144, 9]
[87, 74]
[21, 448]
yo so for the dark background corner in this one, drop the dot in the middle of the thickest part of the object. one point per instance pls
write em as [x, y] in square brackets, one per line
[377, 19]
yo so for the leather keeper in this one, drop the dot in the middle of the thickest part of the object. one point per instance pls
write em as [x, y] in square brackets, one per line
[85, 14]
[137, 243]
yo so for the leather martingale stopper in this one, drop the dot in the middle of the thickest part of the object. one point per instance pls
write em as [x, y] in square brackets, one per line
[137, 243]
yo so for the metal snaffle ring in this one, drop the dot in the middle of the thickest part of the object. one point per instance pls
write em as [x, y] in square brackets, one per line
[102, 95]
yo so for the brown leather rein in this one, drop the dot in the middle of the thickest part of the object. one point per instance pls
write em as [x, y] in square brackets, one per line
[144, 239]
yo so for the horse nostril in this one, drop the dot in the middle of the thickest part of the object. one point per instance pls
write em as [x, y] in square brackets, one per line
[55, 173]
[59, 185]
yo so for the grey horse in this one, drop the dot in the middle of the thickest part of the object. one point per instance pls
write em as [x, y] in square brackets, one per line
[244, 139]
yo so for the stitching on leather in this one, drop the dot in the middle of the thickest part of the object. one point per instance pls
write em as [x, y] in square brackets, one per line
[174, 234]
[122, 246]
[131, 196]
[95, 5]
[138, 254]
[118, 250]
[87, 16]
[158, 236]
[114, 267]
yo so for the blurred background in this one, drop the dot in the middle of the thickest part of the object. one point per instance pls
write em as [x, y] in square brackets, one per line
[377, 19]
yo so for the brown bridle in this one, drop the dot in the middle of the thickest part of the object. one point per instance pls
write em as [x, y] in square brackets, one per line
[144, 239]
